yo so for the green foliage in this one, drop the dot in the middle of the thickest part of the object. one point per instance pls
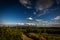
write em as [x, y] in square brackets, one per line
[9, 33]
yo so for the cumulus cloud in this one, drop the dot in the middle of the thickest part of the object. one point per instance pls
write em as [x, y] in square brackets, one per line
[30, 18]
[57, 18]
[43, 4]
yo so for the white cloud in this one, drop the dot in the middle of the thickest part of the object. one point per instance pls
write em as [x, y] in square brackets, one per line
[43, 4]
[39, 4]
[20, 23]
[57, 18]
[39, 20]
[26, 3]
[44, 12]
[46, 23]
[28, 7]
[30, 18]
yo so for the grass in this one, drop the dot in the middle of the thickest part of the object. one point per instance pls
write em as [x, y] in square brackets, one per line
[9, 33]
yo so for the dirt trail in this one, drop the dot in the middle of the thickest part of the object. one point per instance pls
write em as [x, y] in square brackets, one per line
[25, 37]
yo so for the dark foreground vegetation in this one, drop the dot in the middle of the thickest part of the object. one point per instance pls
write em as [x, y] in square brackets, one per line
[9, 33]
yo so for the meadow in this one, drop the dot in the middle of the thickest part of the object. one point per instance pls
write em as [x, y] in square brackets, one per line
[29, 33]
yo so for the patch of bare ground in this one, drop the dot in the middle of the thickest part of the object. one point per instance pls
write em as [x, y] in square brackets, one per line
[25, 37]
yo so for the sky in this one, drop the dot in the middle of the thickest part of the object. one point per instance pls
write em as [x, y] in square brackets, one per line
[35, 11]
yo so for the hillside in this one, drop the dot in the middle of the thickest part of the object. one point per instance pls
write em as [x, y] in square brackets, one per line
[9, 33]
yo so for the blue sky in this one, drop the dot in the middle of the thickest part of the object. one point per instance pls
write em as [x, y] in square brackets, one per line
[13, 11]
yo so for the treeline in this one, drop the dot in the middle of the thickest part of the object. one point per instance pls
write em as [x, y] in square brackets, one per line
[42, 30]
